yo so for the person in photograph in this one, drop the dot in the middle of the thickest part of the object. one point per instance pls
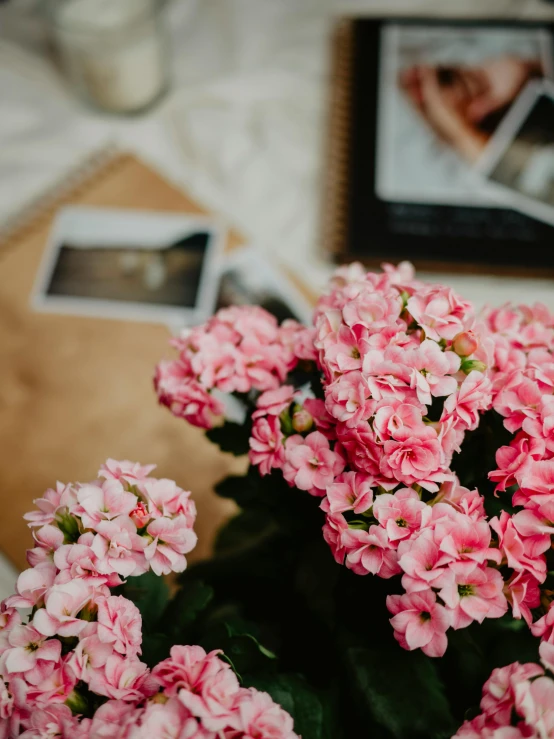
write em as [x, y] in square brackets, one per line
[463, 104]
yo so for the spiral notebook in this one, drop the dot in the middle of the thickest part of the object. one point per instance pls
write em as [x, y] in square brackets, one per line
[75, 390]
[403, 177]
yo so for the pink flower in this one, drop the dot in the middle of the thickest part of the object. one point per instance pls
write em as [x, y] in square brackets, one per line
[544, 627]
[204, 684]
[535, 703]
[166, 498]
[361, 448]
[346, 351]
[62, 606]
[274, 402]
[372, 309]
[432, 371]
[267, 449]
[171, 540]
[423, 563]
[522, 593]
[51, 721]
[473, 396]
[184, 396]
[119, 624]
[419, 622]
[498, 698]
[538, 477]
[523, 554]
[49, 538]
[79, 560]
[260, 718]
[129, 472]
[31, 586]
[542, 427]
[394, 417]
[439, 311]
[514, 460]
[104, 503]
[348, 399]
[122, 678]
[546, 651]
[473, 593]
[118, 548]
[370, 552]
[400, 513]
[54, 685]
[310, 464]
[351, 491]
[90, 655]
[463, 538]
[113, 718]
[49, 505]
[333, 529]
[28, 648]
[166, 720]
[413, 457]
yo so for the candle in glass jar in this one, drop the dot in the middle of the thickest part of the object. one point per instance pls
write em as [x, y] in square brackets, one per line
[113, 50]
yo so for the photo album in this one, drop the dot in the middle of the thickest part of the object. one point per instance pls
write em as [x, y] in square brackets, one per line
[442, 144]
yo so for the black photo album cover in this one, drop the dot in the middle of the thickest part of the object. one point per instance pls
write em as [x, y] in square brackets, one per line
[432, 110]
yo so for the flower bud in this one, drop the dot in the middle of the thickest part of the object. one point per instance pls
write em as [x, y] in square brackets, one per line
[465, 343]
[302, 421]
[468, 365]
[140, 516]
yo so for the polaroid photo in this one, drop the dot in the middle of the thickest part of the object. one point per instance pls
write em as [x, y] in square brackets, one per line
[519, 162]
[443, 91]
[130, 264]
[248, 278]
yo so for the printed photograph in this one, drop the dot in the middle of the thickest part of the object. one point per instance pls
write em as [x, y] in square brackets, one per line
[247, 278]
[521, 158]
[130, 264]
[443, 92]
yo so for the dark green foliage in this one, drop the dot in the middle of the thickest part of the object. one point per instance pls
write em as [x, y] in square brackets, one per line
[231, 437]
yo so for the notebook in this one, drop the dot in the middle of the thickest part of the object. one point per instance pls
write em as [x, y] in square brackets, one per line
[412, 113]
[75, 390]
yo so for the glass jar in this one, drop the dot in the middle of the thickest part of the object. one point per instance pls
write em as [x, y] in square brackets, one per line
[115, 52]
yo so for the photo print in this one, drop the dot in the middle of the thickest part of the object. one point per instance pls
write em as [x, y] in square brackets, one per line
[443, 91]
[148, 266]
[519, 163]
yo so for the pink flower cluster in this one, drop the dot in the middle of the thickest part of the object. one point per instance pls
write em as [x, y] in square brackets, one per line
[392, 352]
[523, 393]
[88, 538]
[517, 702]
[238, 350]
[80, 646]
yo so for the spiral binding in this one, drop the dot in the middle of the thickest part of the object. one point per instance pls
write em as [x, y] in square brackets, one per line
[71, 184]
[336, 195]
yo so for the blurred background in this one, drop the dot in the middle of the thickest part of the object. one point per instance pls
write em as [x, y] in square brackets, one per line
[261, 116]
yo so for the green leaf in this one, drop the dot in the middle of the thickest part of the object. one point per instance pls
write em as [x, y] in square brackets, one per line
[192, 599]
[231, 437]
[240, 646]
[239, 488]
[149, 592]
[399, 690]
[246, 529]
[311, 710]
[155, 648]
